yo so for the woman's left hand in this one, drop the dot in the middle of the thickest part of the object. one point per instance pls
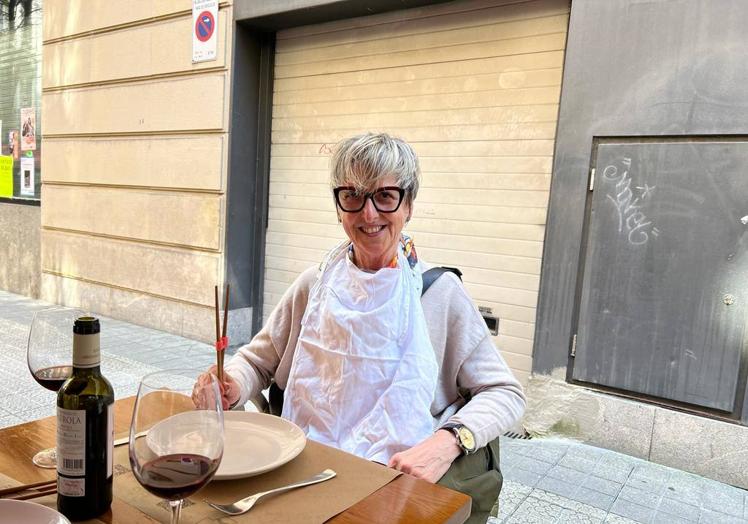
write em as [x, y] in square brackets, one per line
[429, 460]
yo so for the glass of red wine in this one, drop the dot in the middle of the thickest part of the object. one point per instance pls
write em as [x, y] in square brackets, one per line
[176, 434]
[49, 355]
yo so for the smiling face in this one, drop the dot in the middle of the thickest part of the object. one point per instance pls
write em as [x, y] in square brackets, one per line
[375, 235]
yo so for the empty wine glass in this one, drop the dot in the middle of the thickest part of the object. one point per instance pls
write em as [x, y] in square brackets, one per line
[49, 355]
[176, 434]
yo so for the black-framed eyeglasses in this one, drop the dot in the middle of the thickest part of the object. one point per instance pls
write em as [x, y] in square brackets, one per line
[385, 199]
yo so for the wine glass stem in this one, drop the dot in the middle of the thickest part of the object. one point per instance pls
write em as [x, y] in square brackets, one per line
[176, 508]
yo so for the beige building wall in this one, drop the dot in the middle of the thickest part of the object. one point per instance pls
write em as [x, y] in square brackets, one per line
[475, 87]
[19, 249]
[135, 158]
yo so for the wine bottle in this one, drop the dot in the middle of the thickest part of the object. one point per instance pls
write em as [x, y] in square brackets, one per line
[85, 430]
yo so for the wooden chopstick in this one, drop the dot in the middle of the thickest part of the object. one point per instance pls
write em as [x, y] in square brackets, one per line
[221, 332]
[225, 311]
[218, 320]
[219, 352]
[34, 494]
[35, 488]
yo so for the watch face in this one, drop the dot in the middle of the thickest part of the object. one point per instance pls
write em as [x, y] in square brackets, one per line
[466, 437]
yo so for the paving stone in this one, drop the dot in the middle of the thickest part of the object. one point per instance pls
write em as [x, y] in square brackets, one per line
[602, 485]
[559, 487]
[665, 518]
[617, 519]
[535, 511]
[632, 511]
[38, 412]
[578, 463]
[685, 489]
[614, 473]
[644, 484]
[559, 444]
[20, 402]
[723, 499]
[640, 497]
[512, 495]
[568, 516]
[508, 456]
[650, 471]
[551, 456]
[594, 498]
[7, 420]
[587, 452]
[567, 474]
[528, 478]
[39, 395]
[615, 460]
[535, 466]
[679, 509]
[715, 517]
[568, 503]
[522, 447]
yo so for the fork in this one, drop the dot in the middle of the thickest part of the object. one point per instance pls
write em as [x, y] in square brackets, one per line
[242, 506]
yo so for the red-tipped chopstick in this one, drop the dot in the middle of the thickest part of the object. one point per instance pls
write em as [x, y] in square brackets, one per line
[222, 340]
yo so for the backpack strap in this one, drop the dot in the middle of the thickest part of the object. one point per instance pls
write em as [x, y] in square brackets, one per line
[430, 276]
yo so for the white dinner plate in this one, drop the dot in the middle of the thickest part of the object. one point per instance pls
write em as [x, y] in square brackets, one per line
[29, 513]
[256, 443]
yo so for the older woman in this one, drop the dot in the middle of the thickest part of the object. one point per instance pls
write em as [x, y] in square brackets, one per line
[369, 365]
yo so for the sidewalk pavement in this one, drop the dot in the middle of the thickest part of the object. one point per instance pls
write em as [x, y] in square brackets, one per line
[545, 480]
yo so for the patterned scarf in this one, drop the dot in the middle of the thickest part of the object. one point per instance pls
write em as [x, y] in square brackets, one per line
[409, 250]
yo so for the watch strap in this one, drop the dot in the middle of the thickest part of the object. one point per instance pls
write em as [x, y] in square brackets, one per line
[455, 428]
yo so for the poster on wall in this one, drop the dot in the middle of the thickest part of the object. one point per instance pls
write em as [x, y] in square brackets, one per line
[14, 148]
[6, 176]
[28, 129]
[204, 31]
[27, 176]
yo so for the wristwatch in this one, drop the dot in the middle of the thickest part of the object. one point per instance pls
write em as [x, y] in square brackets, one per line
[465, 437]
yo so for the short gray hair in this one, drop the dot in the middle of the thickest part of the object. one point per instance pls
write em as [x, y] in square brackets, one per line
[362, 160]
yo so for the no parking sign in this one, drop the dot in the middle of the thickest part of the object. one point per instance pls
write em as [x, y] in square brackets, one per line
[204, 31]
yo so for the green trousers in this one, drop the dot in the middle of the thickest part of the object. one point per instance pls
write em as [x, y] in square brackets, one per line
[479, 476]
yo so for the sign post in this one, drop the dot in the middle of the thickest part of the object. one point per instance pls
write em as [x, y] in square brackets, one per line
[204, 31]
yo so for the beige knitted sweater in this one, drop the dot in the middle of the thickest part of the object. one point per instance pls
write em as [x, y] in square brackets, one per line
[467, 358]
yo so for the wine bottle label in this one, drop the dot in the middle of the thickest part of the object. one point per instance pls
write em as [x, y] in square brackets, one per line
[71, 487]
[86, 351]
[71, 442]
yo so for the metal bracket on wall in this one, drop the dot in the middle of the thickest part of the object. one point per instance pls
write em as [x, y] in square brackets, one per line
[592, 178]
[492, 322]
[573, 352]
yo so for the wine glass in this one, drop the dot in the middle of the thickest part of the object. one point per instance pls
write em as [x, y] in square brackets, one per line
[49, 355]
[176, 434]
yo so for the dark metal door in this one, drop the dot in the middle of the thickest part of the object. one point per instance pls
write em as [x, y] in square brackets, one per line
[662, 303]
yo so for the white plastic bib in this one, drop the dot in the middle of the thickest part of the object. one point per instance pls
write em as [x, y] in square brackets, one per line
[364, 371]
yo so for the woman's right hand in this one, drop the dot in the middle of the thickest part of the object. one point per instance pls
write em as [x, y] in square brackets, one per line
[230, 391]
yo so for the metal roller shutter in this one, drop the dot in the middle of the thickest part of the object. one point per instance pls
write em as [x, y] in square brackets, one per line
[475, 87]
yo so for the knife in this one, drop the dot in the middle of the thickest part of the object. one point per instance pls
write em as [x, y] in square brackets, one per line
[126, 439]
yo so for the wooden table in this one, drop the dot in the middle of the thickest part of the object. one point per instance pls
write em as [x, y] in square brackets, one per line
[405, 499]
